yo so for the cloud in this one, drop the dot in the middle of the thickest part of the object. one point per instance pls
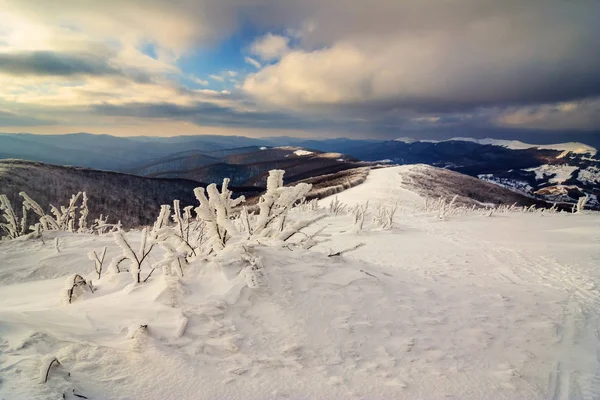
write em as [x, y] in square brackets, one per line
[579, 115]
[391, 65]
[270, 47]
[199, 81]
[492, 61]
[206, 113]
[252, 61]
[47, 63]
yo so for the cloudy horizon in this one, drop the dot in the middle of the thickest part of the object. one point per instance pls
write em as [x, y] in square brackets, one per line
[331, 68]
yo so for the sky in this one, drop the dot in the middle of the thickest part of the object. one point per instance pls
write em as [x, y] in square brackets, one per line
[310, 68]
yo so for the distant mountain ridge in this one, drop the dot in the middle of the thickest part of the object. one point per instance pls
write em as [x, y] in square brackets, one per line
[110, 152]
[571, 147]
[250, 168]
[555, 172]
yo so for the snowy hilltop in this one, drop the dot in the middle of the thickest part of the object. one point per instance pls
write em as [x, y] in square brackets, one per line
[385, 290]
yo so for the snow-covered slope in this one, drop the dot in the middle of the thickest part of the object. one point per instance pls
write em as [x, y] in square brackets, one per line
[405, 183]
[534, 170]
[466, 307]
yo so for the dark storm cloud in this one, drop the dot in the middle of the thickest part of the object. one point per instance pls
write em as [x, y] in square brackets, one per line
[209, 114]
[48, 63]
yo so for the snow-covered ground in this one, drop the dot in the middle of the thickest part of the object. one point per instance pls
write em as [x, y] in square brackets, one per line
[559, 173]
[468, 307]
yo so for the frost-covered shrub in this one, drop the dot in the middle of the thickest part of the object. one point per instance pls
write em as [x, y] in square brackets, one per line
[98, 260]
[312, 205]
[275, 205]
[182, 241]
[62, 218]
[11, 226]
[336, 207]
[384, 216]
[101, 226]
[215, 211]
[253, 272]
[75, 286]
[136, 260]
[360, 213]
[271, 220]
[446, 209]
[581, 203]
[217, 223]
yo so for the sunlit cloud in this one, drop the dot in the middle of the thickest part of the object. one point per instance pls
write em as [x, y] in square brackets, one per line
[330, 66]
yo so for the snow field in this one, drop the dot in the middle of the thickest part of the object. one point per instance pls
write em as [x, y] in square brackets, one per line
[464, 307]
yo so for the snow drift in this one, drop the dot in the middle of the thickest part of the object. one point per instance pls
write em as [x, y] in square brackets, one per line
[469, 305]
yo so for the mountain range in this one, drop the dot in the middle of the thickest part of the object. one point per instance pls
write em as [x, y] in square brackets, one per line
[556, 173]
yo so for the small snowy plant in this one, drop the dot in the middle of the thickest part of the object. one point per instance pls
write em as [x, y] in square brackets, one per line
[336, 207]
[136, 260]
[360, 213]
[98, 260]
[581, 203]
[384, 216]
[75, 286]
[446, 209]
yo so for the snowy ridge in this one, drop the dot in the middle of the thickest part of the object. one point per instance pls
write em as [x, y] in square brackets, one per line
[573, 147]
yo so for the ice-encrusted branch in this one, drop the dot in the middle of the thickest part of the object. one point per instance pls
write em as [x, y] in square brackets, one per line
[98, 261]
[136, 260]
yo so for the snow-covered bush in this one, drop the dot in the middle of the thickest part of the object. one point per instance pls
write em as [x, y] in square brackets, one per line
[446, 209]
[336, 207]
[581, 203]
[275, 205]
[75, 286]
[11, 226]
[98, 261]
[181, 242]
[101, 226]
[312, 205]
[360, 212]
[63, 218]
[215, 211]
[136, 260]
[384, 216]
